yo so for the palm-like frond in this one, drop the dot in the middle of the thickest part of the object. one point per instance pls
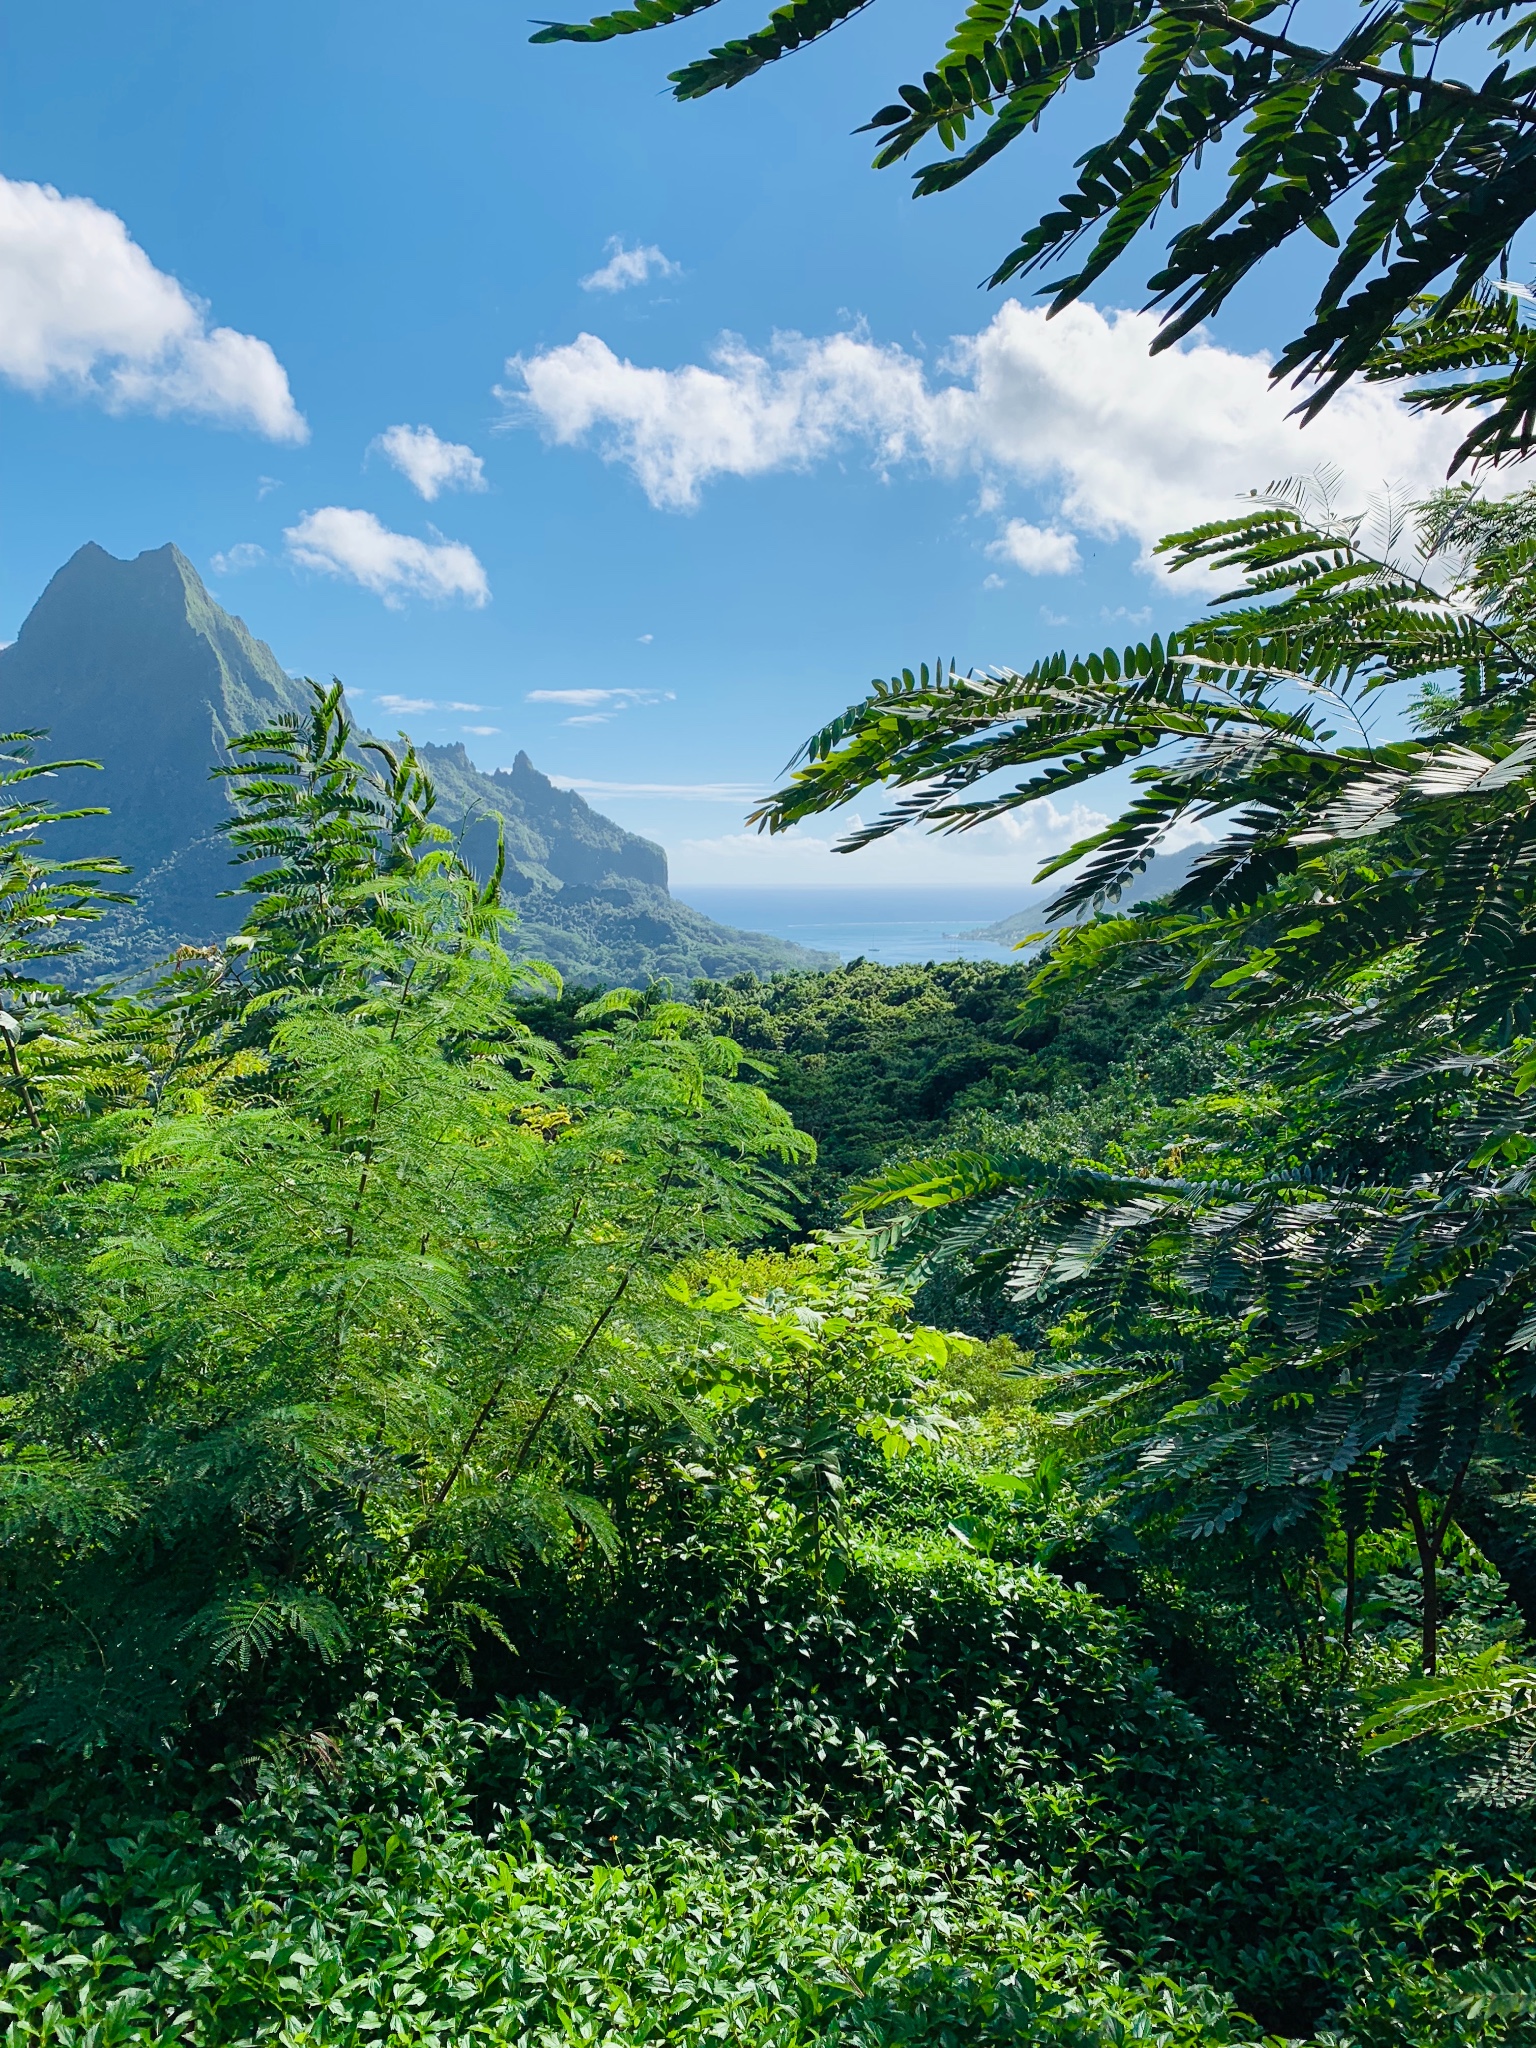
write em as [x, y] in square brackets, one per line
[245, 1627]
[1419, 181]
[1344, 853]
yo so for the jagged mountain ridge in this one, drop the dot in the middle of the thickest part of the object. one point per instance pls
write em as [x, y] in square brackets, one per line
[135, 665]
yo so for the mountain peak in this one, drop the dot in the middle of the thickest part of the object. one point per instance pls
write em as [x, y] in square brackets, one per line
[133, 664]
[162, 572]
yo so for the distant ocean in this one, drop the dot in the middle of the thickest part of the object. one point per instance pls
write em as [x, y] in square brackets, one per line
[893, 926]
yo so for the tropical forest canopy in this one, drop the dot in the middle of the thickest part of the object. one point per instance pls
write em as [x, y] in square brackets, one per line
[935, 1505]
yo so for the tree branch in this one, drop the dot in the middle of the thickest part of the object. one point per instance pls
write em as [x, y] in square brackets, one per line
[1465, 97]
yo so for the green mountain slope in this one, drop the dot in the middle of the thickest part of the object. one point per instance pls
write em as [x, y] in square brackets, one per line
[134, 665]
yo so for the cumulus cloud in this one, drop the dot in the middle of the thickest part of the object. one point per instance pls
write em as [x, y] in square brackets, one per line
[626, 267]
[678, 429]
[339, 541]
[1037, 550]
[1124, 445]
[245, 554]
[83, 309]
[430, 465]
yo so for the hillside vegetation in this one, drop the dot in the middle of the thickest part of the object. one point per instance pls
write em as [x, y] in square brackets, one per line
[495, 1549]
[134, 666]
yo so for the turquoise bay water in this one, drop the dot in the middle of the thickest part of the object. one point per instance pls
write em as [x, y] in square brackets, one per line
[893, 926]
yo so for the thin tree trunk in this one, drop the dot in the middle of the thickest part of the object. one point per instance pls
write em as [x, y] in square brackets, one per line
[362, 1185]
[564, 1379]
[1298, 1627]
[1351, 1539]
[21, 1083]
[1430, 1539]
[373, 1116]
[488, 1405]
[1427, 1576]
[596, 1330]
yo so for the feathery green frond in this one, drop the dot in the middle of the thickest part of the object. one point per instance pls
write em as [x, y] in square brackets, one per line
[1358, 135]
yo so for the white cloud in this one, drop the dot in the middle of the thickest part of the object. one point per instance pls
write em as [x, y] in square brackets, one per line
[678, 429]
[266, 485]
[646, 639]
[431, 465]
[1037, 550]
[626, 267]
[245, 554]
[482, 732]
[1123, 444]
[1187, 832]
[342, 542]
[83, 308]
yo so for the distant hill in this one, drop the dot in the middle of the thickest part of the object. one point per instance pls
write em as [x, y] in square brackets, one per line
[1163, 873]
[134, 665]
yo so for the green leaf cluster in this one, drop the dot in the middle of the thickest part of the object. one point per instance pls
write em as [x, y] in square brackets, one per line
[1312, 1288]
[317, 1261]
[1359, 134]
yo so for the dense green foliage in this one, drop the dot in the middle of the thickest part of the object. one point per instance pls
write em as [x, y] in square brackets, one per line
[1328, 1264]
[1418, 179]
[473, 1568]
[534, 1874]
[874, 1061]
[948, 1799]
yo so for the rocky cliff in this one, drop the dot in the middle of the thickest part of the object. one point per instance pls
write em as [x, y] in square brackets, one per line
[134, 665]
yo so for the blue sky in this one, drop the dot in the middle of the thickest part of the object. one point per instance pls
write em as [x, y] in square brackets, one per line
[654, 565]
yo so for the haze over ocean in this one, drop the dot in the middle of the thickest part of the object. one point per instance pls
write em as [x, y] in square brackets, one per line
[892, 926]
